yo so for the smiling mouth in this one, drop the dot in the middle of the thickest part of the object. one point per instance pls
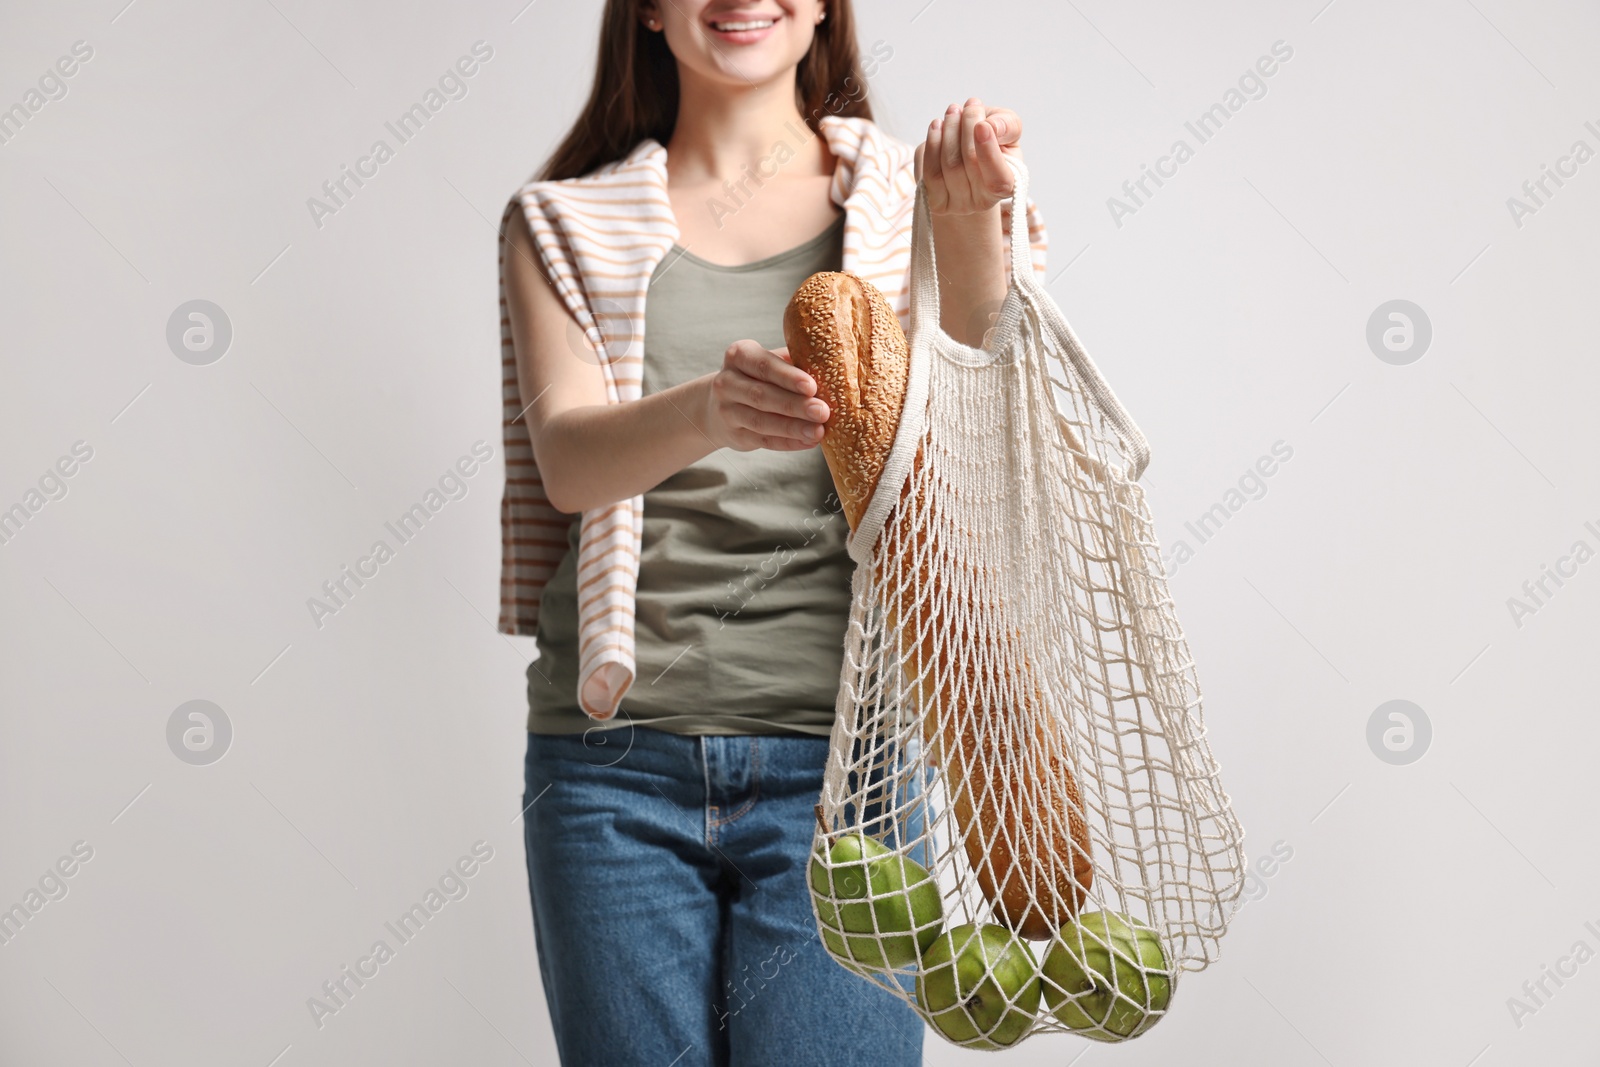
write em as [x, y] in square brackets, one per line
[743, 25]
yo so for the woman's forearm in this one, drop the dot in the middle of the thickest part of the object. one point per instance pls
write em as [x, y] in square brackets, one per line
[593, 456]
[970, 252]
[963, 168]
[598, 454]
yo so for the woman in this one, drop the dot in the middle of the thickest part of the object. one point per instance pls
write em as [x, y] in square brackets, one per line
[671, 536]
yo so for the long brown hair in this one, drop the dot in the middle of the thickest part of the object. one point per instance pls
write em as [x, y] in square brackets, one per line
[635, 92]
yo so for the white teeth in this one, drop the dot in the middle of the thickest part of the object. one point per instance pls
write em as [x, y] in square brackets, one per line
[735, 27]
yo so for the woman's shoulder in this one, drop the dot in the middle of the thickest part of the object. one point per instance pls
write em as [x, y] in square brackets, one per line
[863, 141]
[643, 168]
[873, 162]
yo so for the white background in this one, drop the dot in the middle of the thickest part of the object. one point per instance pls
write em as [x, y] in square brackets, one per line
[1229, 312]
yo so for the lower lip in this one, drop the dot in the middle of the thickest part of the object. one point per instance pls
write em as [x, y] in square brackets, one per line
[743, 36]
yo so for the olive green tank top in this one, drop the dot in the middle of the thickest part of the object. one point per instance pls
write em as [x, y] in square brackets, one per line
[744, 580]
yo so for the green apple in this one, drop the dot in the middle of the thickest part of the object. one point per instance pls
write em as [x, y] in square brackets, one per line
[840, 873]
[877, 908]
[1107, 976]
[979, 985]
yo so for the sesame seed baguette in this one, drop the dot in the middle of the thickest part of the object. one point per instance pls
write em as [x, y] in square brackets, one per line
[1024, 835]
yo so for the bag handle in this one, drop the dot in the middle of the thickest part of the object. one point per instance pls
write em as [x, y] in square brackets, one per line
[1025, 288]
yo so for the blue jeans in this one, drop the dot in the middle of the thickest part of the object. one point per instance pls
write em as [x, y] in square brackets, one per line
[670, 907]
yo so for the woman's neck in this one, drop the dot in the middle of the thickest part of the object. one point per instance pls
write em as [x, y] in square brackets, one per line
[722, 131]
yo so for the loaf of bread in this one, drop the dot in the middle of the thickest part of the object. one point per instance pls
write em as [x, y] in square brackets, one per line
[1015, 802]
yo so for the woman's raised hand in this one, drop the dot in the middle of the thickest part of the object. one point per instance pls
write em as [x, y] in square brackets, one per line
[963, 160]
[761, 400]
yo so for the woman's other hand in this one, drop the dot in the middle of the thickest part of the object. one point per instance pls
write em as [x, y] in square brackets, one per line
[963, 160]
[761, 400]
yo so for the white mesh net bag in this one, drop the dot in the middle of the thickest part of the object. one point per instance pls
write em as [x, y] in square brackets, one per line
[1021, 827]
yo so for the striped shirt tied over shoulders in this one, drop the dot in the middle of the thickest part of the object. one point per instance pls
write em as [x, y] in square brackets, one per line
[600, 238]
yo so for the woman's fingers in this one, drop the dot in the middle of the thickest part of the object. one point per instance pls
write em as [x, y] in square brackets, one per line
[977, 148]
[756, 362]
[972, 113]
[994, 174]
[963, 161]
[929, 158]
[952, 163]
[1007, 125]
[765, 401]
[782, 444]
[741, 390]
[767, 424]
[950, 138]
